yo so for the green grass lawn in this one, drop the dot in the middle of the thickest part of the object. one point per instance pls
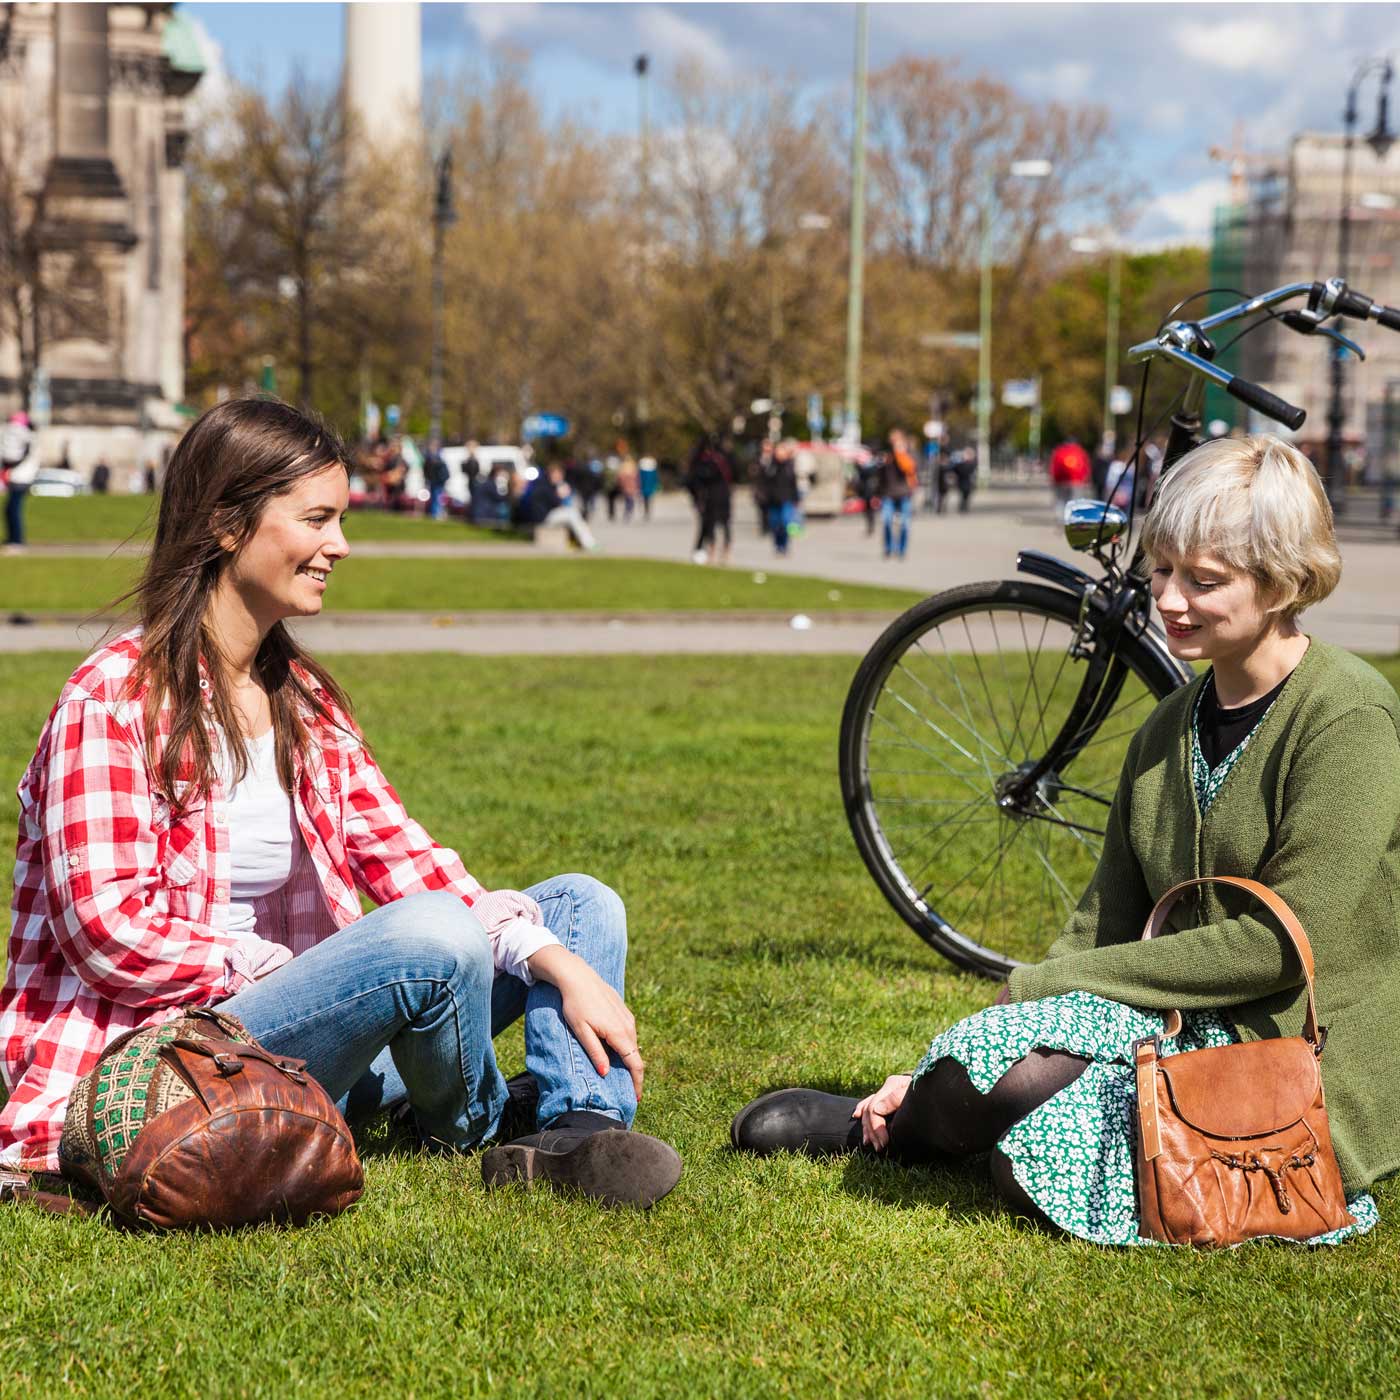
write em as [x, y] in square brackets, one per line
[59, 520]
[582, 584]
[705, 791]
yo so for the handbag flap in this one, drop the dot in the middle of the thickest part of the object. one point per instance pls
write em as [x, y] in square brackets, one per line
[1241, 1091]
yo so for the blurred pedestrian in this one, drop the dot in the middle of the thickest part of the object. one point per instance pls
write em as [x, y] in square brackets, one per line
[868, 487]
[629, 484]
[964, 473]
[101, 481]
[19, 464]
[435, 475]
[1070, 470]
[612, 489]
[648, 480]
[762, 469]
[549, 500]
[710, 481]
[779, 479]
[899, 475]
[471, 470]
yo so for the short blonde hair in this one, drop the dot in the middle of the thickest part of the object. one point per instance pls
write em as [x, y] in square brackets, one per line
[1256, 504]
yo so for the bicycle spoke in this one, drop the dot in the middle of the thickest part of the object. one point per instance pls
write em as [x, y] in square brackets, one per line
[953, 772]
[967, 697]
[976, 758]
[977, 662]
[981, 740]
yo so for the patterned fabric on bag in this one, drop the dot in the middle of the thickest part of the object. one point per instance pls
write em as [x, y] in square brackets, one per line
[129, 1087]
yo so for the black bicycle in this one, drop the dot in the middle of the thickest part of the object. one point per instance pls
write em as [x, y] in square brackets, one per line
[984, 733]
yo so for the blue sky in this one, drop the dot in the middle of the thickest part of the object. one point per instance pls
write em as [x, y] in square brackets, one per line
[1177, 78]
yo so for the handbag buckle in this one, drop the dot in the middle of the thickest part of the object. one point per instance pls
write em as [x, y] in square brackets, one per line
[10, 1182]
[228, 1064]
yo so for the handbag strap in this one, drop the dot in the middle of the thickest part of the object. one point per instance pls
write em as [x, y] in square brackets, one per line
[1287, 918]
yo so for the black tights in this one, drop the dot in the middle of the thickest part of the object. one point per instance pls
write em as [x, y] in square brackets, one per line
[944, 1115]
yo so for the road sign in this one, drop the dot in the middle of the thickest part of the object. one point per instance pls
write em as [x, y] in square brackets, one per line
[1020, 393]
[1120, 399]
[933, 429]
[372, 419]
[544, 425]
[950, 340]
[816, 419]
[40, 399]
[391, 416]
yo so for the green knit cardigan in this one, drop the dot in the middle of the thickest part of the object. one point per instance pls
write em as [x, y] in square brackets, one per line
[1311, 809]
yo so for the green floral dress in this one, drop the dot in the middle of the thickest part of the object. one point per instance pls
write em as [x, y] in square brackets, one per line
[1073, 1156]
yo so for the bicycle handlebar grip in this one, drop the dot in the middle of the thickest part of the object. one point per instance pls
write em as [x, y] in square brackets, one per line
[1389, 318]
[1270, 405]
[1357, 305]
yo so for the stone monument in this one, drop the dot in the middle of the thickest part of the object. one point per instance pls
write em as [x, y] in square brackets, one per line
[92, 192]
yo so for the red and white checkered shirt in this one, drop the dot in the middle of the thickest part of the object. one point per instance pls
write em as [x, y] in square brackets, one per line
[121, 911]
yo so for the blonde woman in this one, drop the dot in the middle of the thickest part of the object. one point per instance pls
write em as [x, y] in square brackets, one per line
[1280, 762]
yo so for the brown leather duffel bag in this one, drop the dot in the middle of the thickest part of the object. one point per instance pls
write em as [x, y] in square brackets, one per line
[1233, 1141]
[193, 1124]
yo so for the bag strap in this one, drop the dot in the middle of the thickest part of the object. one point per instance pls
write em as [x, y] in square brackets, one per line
[1287, 918]
[228, 1056]
[14, 1186]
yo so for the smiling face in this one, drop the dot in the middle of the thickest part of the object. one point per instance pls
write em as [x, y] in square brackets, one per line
[283, 569]
[1211, 610]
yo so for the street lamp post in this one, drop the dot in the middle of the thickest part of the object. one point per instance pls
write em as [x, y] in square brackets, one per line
[640, 66]
[855, 296]
[1380, 141]
[1114, 311]
[1024, 170]
[443, 215]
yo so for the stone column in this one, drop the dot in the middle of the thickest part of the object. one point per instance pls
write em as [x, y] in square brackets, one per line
[82, 163]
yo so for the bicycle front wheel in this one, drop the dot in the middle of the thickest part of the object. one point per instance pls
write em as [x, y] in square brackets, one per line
[957, 698]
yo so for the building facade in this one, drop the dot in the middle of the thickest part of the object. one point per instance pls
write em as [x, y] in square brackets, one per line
[1287, 228]
[92, 183]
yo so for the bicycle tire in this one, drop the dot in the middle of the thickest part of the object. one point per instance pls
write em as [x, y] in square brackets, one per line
[964, 941]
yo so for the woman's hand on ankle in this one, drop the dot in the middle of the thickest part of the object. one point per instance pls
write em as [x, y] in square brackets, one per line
[593, 1011]
[876, 1109]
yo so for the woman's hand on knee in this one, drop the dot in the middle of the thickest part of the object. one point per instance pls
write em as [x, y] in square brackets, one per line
[594, 1012]
[876, 1109]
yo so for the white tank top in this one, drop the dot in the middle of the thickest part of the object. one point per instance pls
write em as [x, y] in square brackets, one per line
[259, 834]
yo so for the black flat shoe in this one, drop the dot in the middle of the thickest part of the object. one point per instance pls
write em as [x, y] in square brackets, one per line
[797, 1120]
[591, 1155]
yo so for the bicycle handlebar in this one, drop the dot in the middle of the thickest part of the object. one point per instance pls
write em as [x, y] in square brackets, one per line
[1187, 343]
[1270, 405]
[1335, 298]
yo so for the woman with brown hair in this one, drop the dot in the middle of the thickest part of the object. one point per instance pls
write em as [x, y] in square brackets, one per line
[201, 815]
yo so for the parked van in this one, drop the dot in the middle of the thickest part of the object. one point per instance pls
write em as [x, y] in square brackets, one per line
[821, 475]
[490, 458]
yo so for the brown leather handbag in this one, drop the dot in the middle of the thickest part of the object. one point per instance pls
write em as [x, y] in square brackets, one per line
[193, 1124]
[1233, 1142]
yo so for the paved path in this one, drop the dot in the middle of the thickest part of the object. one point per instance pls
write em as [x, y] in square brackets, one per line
[944, 550]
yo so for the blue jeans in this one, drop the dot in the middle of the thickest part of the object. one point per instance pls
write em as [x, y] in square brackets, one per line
[904, 509]
[14, 514]
[780, 521]
[403, 1003]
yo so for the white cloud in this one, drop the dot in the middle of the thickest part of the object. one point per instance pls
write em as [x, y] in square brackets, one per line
[1181, 216]
[671, 39]
[1067, 81]
[496, 22]
[1241, 45]
[210, 102]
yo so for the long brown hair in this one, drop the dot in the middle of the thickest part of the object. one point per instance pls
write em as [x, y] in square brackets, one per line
[231, 462]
